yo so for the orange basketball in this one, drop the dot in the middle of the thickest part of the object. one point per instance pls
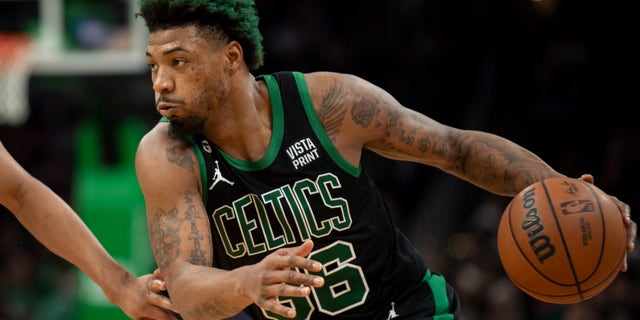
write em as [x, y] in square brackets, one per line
[562, 240]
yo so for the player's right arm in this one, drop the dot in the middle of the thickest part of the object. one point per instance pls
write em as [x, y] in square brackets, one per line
[181, 239]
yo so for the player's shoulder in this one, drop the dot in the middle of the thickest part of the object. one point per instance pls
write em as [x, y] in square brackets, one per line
[157, 141]
[328, 77]
[327, 82]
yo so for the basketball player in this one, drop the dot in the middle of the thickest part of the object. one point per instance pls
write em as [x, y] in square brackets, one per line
[58, 227]
[256, 199]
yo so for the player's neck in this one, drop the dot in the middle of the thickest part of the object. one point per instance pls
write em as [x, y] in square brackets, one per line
[243, 130]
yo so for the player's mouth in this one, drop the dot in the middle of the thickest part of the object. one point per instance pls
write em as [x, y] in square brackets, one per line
[168, 107]
[166, 110]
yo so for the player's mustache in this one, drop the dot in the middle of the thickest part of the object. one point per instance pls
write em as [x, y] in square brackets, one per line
[168, 100]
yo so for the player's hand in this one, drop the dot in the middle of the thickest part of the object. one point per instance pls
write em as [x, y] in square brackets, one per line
[625, 211]
[141, 299]
[282, 274]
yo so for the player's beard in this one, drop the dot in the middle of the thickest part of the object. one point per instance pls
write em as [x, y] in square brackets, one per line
[193, 123]
[182, 129]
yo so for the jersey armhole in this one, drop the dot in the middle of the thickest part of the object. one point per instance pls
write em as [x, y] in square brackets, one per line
[312, 116]
[203, 169]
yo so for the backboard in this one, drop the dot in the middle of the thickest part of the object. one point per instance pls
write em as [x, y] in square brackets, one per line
[74, 37]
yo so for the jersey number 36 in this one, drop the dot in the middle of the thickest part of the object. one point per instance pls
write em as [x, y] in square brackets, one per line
[345, 286]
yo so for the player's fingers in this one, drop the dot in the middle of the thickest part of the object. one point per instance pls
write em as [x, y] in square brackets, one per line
[305, 248]
[290, 283]
[272, 304]
[161, 301]
[279, 261]
[157, 274]
[625, 210]
[587, 178]
[293, 277]
[157, 286]
[285, 290]
[157, 296]
[302, 250]
[632, 230]
[632, 227]
[624, 266]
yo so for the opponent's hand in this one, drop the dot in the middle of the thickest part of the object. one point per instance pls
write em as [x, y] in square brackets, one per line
[157, 284]
[140, 300]
[158, 292]
[146, 301]
[625, 211]
[282, 273]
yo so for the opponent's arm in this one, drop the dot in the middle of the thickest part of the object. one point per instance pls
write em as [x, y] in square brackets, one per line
[181, 239]
[53, 222]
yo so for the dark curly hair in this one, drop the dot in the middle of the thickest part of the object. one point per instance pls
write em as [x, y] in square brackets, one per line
[235, 19]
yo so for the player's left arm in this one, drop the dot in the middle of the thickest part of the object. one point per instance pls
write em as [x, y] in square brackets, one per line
[357, 114]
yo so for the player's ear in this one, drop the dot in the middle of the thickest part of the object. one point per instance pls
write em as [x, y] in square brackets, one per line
[234, 55]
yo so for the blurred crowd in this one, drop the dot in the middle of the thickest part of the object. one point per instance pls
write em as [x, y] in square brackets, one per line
[547, 74]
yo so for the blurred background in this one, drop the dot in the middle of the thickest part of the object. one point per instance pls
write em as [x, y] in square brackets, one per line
[556, 76]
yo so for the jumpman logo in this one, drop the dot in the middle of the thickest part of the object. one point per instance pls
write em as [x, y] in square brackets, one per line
[217, 177]
[392, 312]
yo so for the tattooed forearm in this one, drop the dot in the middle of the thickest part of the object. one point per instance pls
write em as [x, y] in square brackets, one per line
[164, 236]
[206, 311]
[166, 239]
[426, 145]
[501, 165]
[182, 159]
[198, 256]
[216, 309]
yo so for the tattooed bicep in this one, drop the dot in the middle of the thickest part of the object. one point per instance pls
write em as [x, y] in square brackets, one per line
[330, 110]
[348, 97]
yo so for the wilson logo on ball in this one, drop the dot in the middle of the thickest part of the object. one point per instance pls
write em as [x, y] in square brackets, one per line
[539, 242]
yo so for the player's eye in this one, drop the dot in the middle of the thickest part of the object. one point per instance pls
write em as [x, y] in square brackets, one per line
[178, 62]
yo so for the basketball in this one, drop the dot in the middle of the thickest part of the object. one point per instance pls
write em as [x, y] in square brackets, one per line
[562, 240]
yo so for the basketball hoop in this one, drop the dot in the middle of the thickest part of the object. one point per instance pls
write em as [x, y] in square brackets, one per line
[14, 78]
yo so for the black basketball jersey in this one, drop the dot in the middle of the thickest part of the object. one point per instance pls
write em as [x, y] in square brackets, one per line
[303, 189]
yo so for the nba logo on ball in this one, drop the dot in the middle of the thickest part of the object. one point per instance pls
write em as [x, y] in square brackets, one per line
[562, 240]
